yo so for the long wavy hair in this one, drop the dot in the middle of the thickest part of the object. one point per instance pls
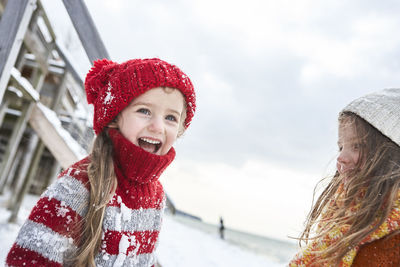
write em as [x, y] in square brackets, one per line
[102, 180]
[372, 187]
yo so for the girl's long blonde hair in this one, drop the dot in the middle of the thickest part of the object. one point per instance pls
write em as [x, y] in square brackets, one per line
[102, 182]
[373, 187]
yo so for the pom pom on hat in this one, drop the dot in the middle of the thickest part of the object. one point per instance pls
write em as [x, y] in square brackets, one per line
[380, 109]
[110, 86]
[97, 78]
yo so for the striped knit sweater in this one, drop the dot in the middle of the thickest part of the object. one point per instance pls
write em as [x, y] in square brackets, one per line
[132, 218]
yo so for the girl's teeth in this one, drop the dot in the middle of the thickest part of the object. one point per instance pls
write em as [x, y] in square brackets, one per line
[150, 141]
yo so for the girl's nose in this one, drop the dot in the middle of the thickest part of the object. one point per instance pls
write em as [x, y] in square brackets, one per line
[156, 125]
[341, 162]
[343, 157]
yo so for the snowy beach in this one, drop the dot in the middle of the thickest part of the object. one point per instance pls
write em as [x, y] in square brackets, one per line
[180, 245]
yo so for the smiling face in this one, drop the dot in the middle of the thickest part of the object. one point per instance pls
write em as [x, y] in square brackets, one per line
[349, 148]
[153, 120]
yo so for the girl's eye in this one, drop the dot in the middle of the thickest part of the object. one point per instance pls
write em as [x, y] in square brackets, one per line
[144, 111]
[171, 118]
[340, 148]
[356, 146]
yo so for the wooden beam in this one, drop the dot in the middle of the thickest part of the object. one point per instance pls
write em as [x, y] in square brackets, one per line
[14, 168]
[13, 25]
[38, 48]
[57, 140]
[13, 144]
[35, 41]
[46, 21]
[62, 88]
[3, 108]
[23, 181]
[25, 86]
[28, 153]
[69, 64]
[86, 29]
[55, 67]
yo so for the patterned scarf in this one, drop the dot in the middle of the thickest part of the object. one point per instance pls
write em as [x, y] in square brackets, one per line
[316, 248]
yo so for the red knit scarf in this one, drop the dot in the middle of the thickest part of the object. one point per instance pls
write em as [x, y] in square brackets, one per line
[136, 169]
[133, 164]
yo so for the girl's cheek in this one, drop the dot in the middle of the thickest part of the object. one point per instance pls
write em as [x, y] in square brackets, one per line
[339, 167]
[356, 157]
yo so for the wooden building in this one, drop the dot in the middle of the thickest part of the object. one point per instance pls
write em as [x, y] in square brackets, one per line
[45, 122]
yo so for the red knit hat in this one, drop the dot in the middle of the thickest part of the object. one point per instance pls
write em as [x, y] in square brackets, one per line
[110, 86]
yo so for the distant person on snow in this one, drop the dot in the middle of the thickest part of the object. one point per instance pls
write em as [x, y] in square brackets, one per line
[106, 209]
[221, 228]
[356, 220]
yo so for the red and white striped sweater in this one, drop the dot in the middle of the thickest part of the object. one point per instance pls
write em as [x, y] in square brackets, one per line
[132, 218]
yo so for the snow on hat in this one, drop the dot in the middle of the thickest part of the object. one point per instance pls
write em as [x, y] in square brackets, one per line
[110, 86]
[382, 110]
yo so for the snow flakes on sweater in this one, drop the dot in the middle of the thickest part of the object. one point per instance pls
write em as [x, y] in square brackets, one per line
[129, 235]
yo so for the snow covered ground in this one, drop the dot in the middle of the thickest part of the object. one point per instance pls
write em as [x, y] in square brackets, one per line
[180, 245]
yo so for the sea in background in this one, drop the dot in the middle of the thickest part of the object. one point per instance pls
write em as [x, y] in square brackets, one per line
[273, 249]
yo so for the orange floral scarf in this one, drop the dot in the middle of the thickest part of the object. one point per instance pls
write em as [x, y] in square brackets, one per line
[308, 255]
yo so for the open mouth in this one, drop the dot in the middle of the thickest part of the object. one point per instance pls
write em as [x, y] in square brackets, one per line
[150, 145]
[343, 169]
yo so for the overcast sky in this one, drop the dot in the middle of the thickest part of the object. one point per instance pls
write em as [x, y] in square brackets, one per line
[270, 77]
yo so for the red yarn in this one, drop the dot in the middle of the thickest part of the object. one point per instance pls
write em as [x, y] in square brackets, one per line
[97, 78]
[133, 215]
[139, 165]
[110, 86]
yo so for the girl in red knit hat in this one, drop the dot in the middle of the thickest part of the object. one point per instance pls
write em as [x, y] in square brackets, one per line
[356, 219]
[106, 209]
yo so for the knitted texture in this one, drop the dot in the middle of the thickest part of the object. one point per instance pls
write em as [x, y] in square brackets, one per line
[307, 256]
[110, 86]
[131, 223]
[382, 110]
[383, 252]
[142, 166]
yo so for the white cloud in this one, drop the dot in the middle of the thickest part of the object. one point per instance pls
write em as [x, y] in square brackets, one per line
[116, 6]
[371, 38]
[220, 94]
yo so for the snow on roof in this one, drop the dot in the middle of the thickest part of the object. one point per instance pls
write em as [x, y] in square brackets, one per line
[25, 84]
[15, 91]
[72, 143]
